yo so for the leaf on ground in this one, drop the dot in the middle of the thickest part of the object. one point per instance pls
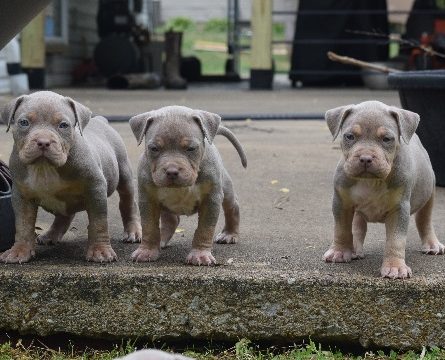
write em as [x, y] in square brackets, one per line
[273, 182]
[280, 201]
[179, 230]
[284, 190]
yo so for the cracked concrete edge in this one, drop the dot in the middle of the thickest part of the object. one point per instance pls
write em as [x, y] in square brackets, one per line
[401, 316]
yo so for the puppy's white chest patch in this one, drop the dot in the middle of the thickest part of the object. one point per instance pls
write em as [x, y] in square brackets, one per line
[373, 199]
[184, 200]
[43, 182]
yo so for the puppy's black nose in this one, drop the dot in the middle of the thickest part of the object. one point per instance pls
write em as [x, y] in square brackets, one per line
[43, 143]
[366, 159]
[172, 173]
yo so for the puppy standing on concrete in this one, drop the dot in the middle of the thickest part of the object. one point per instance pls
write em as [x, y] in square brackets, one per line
[181, 173]
[65, 166]
[385, 175]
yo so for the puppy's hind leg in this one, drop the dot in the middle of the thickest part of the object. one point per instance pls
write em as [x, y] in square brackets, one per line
[359, 228]
[230, 233]
[127, 204]
[169, 223]
[55, 233]
[424, 223]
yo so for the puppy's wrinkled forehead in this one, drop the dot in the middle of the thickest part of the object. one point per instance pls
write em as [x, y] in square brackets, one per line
[44, 106]
[368, 121]
[174, 123]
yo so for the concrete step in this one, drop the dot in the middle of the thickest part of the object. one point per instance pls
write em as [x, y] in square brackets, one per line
[272, 285]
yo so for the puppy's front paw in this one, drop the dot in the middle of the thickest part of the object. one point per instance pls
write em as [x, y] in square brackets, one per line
[357, 255]
[395, 269]
[433, 248]
[19, 253]
[47, 239]
[338, 256]
[226, 237]
[143, 254]
[101, 253]
[200, 257]
[133, 233]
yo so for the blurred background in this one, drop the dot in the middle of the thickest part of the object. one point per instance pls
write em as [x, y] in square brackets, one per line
[124, 44]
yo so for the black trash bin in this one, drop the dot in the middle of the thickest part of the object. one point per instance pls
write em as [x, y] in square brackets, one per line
[423, 92]
[7, 220]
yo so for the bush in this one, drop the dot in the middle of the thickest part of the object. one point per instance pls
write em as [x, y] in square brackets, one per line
[216, 25]
[179, 23]
[278, 29]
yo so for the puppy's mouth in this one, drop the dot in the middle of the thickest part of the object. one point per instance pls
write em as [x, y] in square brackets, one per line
[173, 183]
[41, 156]
[367, 175]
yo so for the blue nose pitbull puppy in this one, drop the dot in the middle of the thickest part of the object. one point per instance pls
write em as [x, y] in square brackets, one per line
[384, 176]
[65, 161]
[181, 173]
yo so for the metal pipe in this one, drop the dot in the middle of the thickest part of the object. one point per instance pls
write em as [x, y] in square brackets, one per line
[244, 116]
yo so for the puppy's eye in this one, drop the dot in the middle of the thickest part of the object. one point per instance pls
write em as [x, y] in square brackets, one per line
[23, 122]
[387, 139]
[154, 149]
[191, 148]
[63, 125]
[349, 137]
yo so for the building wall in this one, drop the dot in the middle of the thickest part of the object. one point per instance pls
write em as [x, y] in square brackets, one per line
[82, 38]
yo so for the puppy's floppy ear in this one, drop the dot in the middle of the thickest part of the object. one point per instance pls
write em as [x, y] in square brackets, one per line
[82, 114]
[407, 122]
[140, 124]
[208, 122]
[336, 117]
[9, 110]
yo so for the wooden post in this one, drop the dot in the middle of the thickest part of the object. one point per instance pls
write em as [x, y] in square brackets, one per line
[33, 51]
[261, 74]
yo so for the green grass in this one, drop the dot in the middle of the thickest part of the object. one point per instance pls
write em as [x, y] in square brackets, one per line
[215, 30]
[243, 350]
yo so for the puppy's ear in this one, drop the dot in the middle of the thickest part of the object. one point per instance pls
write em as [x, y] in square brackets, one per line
[140, 124]
[208, 122]
[9, 110]
[407, 122]
[82, 114]
[336, 117]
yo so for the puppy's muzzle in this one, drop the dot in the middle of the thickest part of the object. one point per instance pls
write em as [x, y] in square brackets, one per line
[43, 144]
[172, 173]
[366, 161]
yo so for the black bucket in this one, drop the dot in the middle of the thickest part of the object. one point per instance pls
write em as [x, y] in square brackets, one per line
[423, 92]
[7, 220]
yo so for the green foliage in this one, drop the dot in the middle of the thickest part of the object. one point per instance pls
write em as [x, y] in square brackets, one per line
[278, 29]
[216, 25]
[180, 23]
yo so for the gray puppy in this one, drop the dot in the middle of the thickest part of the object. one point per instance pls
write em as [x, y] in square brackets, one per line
[385, 175]
[65, 166]
[181, 173]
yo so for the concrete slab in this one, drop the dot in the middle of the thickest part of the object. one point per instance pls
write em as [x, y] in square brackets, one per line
[273, 285]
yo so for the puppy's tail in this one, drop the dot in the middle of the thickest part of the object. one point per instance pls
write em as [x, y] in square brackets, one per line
[235, 142]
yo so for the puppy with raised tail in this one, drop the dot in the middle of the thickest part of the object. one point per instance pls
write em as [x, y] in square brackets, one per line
[385, 175]
[65, 162]
[181, 173]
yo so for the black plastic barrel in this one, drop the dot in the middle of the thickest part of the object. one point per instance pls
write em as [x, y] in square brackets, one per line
[7, 220]
[423, 92]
